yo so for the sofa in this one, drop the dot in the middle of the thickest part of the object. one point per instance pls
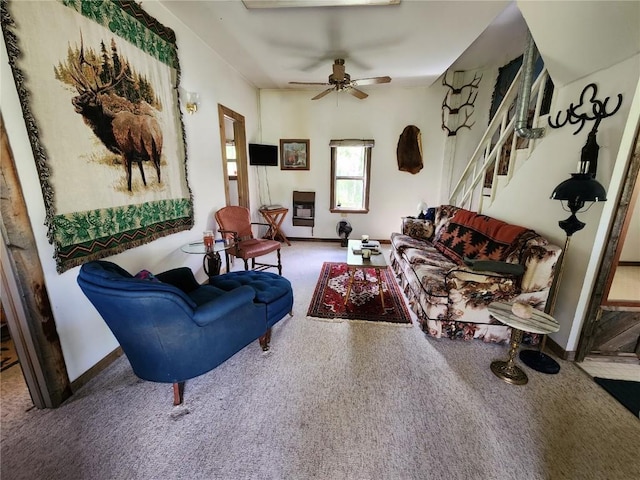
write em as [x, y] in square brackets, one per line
[452, 266]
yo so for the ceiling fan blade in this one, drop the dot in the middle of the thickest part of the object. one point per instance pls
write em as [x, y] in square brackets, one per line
[320, 95]
[309, 83]
[371, 81]
[357, 93]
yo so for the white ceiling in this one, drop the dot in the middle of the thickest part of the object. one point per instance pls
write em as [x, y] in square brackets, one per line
[413, 42]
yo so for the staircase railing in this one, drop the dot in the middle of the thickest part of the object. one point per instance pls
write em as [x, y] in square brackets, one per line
[494, 161]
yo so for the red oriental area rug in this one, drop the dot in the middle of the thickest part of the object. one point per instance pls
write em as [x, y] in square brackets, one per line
[364, 300]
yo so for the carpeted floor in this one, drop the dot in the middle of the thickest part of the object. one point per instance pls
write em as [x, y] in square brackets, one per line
[364, 299]
[349, 400]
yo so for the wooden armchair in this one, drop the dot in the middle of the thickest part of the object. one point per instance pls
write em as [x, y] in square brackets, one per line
[235, 224]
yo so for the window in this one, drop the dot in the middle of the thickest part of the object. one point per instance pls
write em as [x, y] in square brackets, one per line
[232, 165]
[350, 171]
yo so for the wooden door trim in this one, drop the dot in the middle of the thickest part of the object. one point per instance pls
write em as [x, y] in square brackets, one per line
[611, 251]
[239, 134]
[223, 148]
[30, 315]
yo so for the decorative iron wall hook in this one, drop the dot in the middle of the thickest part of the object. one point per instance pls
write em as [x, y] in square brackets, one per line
[579, 113]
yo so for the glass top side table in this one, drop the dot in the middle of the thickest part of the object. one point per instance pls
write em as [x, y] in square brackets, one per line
[211, 261]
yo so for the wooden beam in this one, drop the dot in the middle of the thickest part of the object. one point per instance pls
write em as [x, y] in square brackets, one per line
[27, 270]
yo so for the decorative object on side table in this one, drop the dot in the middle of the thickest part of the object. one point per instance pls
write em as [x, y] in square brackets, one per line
[211, 261]
[521, 318]
[581, 188]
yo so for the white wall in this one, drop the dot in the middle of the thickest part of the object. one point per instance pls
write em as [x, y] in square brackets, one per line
[381, 117]
[84, 337]
[526, 201]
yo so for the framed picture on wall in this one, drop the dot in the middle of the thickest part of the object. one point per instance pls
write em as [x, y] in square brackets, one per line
[294, 154]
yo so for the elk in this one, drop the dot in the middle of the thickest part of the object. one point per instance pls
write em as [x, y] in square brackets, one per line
[136, 137]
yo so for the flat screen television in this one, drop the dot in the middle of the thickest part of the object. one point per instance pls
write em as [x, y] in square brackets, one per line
[266, 155]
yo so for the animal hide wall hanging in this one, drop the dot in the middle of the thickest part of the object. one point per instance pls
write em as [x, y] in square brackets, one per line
[98, 85]
[409, 150]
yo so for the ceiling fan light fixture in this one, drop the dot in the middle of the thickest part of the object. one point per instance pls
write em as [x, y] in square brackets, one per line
[340, 81]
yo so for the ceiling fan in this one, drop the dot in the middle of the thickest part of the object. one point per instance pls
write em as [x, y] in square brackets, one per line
[341, 81]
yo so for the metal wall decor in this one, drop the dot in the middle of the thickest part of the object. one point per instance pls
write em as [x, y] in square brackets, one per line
[469, 102]
[587, 109]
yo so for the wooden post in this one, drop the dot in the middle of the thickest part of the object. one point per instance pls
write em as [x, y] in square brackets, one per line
[40, 329]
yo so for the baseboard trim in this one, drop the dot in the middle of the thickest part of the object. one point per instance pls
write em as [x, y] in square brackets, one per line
[560, 352]
[96, 369]
[329, 240]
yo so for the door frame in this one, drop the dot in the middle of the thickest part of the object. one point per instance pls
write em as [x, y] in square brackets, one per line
[24, 294]
[611, 253]
[240, 138]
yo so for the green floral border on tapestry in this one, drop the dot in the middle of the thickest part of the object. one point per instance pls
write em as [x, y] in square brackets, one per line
[88, 235]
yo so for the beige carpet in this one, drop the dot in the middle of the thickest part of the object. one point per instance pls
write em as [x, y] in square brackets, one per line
[343, 400]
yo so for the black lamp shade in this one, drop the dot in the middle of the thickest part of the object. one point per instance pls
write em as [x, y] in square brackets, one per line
[576, 191]
[580, 188]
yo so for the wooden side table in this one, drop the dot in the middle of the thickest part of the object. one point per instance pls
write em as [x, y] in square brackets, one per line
[274, 218]
[539, 322]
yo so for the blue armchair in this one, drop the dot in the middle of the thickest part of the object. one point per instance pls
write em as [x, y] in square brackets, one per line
[170, 327]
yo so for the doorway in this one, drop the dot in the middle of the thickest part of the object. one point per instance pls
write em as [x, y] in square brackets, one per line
[234, 157]
[612, 327]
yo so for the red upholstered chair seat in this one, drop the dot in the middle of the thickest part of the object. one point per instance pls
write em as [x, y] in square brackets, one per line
[235, 224]
[254, 247]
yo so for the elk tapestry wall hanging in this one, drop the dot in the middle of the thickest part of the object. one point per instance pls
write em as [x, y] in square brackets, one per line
[98, 85]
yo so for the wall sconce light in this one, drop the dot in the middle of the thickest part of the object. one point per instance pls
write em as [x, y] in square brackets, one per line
[193, 99]
[575, 193]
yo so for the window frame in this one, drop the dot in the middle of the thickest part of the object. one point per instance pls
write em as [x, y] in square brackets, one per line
[366, 178]
[231, 143]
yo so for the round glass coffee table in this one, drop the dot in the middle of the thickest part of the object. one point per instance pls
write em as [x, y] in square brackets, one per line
[539, 322]
[211, 261]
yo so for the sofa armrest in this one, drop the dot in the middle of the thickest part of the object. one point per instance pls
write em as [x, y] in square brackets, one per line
[540, 262]
[418, 228]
